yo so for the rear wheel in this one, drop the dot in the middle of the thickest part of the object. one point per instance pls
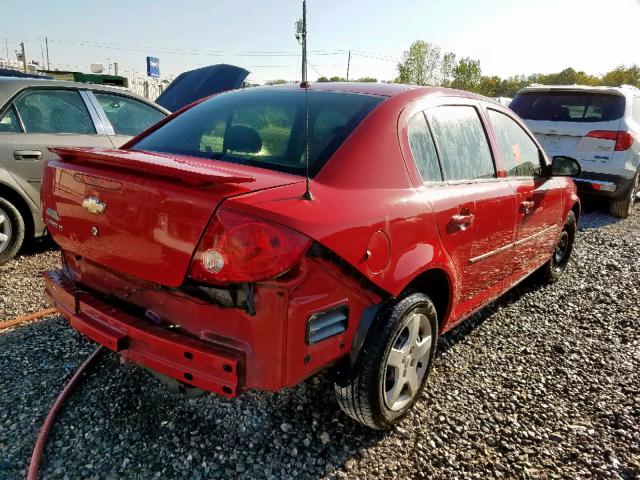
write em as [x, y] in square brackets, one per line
[12, 231]
[557, 264]
[393, 365]
[622, 208]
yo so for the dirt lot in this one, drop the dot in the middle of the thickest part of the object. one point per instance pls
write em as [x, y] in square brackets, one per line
[542, 384]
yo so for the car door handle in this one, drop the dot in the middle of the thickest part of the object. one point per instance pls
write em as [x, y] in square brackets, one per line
[527, 206]
[27, 154]
[460, 222]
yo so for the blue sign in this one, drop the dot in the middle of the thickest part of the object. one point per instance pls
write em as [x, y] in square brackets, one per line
[153, 67]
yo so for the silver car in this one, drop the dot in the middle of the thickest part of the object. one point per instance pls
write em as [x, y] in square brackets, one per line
[37, 114]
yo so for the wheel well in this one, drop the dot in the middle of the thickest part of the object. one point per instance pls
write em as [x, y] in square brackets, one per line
[16, 199]
[576, 211]
[435, 284]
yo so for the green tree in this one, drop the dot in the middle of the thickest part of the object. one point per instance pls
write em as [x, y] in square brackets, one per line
[420, 65]
[447, 69]
[467, 75]
[322, 79]
[367, 80]
[622, 75]
[337, 79]
[490, 86]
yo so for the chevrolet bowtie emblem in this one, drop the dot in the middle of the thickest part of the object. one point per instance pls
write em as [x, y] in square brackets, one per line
[94, 205]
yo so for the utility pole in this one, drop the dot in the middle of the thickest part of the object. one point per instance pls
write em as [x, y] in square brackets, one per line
[348, 65]
[42, 53]
[304, 42]
[46, 41]
[6, 46]
[115, 68]
[24, 58]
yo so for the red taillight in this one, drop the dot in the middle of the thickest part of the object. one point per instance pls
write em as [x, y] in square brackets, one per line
[623, 140]
[241, 248]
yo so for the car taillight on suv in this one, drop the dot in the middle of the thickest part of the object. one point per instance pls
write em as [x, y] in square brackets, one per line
[240, 248]
[623, 140]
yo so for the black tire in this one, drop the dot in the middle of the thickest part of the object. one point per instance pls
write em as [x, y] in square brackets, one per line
[557, 264]
[622, 207]
[361, 393]
[12, 231]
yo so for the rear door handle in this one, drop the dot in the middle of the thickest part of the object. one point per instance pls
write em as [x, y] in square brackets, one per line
[27, 154]
[460, 222]
[527, 206]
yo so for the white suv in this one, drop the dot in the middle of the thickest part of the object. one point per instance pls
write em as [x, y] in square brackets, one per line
[598, 126]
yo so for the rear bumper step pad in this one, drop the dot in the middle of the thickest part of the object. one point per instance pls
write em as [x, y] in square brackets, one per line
[188, 360]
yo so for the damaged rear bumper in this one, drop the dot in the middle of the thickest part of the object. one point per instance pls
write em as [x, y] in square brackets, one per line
[181, 357]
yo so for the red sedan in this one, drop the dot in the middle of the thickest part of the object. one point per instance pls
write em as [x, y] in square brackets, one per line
[197, 252]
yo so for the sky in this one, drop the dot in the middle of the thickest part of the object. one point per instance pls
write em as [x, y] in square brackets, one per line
[509, 37]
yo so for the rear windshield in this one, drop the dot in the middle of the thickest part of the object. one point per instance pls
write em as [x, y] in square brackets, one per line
[568, 106]
[264, 128]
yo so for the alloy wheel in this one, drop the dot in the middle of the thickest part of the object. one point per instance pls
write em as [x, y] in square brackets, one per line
[407, 361]
[560, 253]
[6, 231]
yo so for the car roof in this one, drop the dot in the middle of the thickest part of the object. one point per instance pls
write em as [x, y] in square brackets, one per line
[9, 86]
[623, 90]
[380, 89]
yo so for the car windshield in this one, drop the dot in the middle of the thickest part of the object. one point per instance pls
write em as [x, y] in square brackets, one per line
[264, 128]
[566, 106]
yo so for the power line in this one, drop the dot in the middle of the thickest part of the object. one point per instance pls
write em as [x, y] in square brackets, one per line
[178, 51]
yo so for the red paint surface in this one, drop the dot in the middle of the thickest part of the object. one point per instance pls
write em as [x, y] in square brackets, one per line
[369, 208]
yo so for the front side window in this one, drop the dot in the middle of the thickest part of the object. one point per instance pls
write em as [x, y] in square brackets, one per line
[127, 115]
[264, 128]
[423, 149]
[568, 106]
[54, 111]
[521, 156]
[462, 142]
[9, 122]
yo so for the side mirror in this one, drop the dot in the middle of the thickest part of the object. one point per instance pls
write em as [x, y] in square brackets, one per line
[565, 167]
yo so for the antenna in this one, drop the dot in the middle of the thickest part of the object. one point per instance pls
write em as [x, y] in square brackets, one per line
[301, 32]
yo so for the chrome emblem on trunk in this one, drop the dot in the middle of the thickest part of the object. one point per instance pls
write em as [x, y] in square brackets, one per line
[94, 205]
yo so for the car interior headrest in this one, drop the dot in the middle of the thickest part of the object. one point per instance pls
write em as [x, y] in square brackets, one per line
[242, 139]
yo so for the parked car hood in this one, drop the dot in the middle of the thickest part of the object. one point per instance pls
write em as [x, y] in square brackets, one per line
[199, 83]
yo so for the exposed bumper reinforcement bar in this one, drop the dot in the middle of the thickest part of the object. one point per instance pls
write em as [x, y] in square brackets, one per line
[186, 359]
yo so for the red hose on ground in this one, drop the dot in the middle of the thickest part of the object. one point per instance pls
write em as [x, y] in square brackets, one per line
[48, 423]
[27, 318]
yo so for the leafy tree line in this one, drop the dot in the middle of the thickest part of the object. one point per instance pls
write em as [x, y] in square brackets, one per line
[425, 64]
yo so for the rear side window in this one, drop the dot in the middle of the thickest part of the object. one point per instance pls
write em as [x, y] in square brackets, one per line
[9, 122]
[520, 154]
[462, 143]
[264, 128]
[54, 111]
[423, 149]
[568, 106]
[127, 116]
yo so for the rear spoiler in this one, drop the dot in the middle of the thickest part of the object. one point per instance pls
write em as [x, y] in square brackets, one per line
[185, 169]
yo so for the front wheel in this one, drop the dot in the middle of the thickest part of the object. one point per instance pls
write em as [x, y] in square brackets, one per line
[557, 264]
[394, 363]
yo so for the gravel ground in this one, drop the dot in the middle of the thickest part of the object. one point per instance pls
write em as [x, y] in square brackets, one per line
[21, 286]
[542, 384]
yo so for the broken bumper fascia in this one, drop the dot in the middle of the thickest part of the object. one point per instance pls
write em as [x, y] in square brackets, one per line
[181, 357]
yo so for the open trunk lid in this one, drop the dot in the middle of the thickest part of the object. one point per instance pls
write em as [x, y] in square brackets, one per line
[140, 213]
